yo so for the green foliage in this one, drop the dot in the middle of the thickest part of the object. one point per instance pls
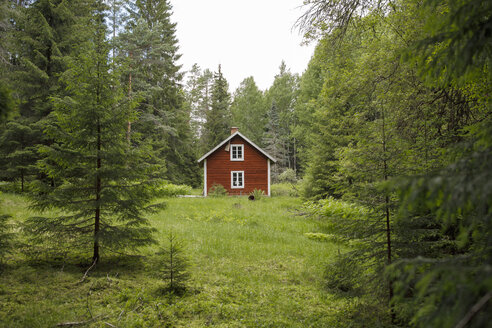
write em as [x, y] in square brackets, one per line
[217, 190]
[248, 110]
[459, 196]
[319, 236]
[367, 118]
[104, 185]
[6, 236]
[238, 272]
[344, 274]
[218, 117]
[172, 190]
[277, 138]
[148, 52]
[19, 153]
[284, 189]
[174, 266]
[287, 176]
[257, 194]
[6, 102]
[456, 40]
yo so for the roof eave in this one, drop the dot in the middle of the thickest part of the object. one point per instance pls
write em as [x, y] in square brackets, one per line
[229, 138]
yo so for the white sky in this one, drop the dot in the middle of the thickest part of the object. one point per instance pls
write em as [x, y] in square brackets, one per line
[247, 37]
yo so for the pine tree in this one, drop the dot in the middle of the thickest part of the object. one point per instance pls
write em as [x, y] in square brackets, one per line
[105, 184]
[198, 88]
[218, 122]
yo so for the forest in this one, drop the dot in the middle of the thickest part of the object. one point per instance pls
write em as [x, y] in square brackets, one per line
[381, 207]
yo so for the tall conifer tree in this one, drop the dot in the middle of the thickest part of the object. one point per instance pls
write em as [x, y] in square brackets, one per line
[105, 184]
[219, 116]
[151, 49]
[38, 43]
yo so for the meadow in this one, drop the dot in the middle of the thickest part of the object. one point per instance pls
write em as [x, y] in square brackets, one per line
[252, 265]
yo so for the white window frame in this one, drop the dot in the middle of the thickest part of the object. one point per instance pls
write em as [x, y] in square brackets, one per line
[232, 180]
[242, 152]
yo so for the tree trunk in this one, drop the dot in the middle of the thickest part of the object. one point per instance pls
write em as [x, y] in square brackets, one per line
[388, 226]
[22, 180]
[129, 127]
[97, 217]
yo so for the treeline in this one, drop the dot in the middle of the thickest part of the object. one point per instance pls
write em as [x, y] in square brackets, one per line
[45, 43]
[265, 117]
[42, 43]
[393, 130]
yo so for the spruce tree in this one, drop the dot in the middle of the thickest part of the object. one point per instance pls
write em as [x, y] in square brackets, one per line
[218, 122]
[105, 184]
[17, 150]
[174, 265]
[150, 49]
[38, 41]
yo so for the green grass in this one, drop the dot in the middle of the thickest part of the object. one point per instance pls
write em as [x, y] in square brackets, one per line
[252, 266]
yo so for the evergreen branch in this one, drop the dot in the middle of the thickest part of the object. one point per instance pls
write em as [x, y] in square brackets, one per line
[474, 310]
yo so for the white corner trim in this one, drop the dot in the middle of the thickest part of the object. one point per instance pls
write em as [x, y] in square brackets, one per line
[237, 187]
[205, 178]
[268, 161]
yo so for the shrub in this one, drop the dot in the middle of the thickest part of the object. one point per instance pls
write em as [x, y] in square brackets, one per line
[6, 237]
[257, 194]
[289, 175]
[217, 190]
[172, 190]
[323, 237]
[284, 189]
[343, 274]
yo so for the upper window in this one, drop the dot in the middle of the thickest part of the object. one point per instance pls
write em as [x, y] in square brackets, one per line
[237, 179]
[237, 152]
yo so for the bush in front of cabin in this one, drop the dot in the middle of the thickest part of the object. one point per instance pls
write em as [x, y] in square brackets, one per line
[217, 190]
[257, 194]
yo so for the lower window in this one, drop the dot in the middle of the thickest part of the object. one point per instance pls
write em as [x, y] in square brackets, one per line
[237, 179]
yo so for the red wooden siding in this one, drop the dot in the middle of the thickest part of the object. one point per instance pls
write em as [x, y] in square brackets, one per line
[255, 167]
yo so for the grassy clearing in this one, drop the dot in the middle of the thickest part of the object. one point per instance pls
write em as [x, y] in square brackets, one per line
[253, 266]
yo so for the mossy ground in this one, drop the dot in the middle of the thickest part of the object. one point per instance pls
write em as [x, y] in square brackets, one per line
[252, 266]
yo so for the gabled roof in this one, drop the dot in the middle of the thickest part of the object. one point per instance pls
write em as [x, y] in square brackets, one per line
[229, 138]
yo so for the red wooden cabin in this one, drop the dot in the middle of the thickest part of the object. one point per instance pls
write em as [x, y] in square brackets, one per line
[237, 164]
